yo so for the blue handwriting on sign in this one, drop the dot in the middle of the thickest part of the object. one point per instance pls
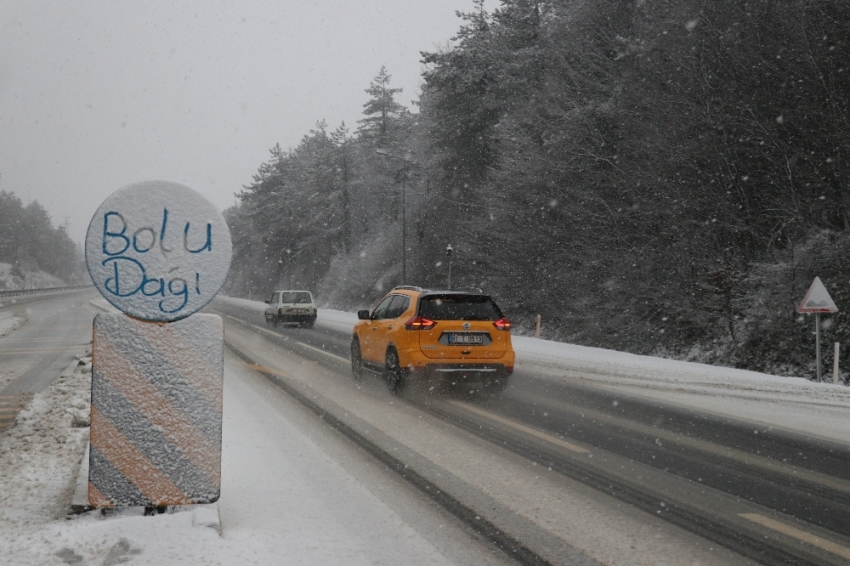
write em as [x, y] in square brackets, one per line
[129, 276]
[144, 239]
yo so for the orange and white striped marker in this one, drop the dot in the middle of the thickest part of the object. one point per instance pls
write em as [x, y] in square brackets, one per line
[156, 411]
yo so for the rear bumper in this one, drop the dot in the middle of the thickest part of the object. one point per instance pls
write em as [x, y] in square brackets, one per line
[461, 372]
[416, 362]
[295, 317]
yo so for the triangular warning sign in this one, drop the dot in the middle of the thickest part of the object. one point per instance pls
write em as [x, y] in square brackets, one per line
[817, 299]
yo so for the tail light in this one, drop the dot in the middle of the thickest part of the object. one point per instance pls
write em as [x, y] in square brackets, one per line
[420, 323]
[502, 324]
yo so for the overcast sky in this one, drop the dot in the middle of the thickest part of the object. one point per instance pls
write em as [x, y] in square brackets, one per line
[96, 94]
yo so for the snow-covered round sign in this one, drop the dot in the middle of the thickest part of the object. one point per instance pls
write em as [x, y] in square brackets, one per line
[158, 250]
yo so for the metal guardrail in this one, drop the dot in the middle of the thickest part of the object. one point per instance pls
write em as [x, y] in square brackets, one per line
[46, 290]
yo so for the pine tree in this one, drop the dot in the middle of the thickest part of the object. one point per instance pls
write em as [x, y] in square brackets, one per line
[459, 97]
[342, 145]
[381, 110]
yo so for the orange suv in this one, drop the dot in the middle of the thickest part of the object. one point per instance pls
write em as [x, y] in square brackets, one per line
[452, 336]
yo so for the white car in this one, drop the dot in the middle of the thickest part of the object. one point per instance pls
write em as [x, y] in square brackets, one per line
[291, 307]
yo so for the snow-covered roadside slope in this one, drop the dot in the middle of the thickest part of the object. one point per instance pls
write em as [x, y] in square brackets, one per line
[9, 323]
[10, 369]
[791, 403]
[31, 279]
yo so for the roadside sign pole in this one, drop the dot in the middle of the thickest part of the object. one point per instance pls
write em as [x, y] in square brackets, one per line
[817, 301]
[817, 345]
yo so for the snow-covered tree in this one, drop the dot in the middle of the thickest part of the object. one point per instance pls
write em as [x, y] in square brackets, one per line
[381, 111]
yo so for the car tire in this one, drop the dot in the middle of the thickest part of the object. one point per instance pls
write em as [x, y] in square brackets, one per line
[308, 323]
[394, 373]
[356, 360]
[275, 321]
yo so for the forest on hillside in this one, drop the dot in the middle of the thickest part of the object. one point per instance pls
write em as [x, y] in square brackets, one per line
[29, 242]
[660, 177]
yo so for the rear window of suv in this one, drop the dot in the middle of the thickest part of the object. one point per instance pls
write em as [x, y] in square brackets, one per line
[458, 307]
[296, 298]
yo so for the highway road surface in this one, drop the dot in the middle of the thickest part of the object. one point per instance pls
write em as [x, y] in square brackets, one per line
[57, 328]
[561, 472]
[551, 472]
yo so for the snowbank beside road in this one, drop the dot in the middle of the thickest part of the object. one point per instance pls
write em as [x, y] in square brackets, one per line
[11, 278]
[39, 456]
[609, 366]
[9, 323]
[792, 404]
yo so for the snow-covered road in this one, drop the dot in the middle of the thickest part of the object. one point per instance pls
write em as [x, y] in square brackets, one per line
[292, 490]
[296, 491]
[794, 404]
[292, 493]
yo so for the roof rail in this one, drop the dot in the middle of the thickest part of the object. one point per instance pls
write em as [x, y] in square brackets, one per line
[407, 287]
[467, 289]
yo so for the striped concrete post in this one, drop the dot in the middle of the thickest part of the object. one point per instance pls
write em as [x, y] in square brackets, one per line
[156, 411]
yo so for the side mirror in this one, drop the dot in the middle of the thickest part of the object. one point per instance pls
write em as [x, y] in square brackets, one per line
[363, 315]
[268, 303]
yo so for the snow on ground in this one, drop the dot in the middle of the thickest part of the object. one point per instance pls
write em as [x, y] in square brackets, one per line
[9, 323]
[39, 459]
[790, 403]
[103, 305]
[10, 369]
[9, 279]
[284, 500]
[284, 496]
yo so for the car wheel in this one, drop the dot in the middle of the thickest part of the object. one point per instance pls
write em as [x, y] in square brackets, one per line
[394, 373]
[275, 321]
[308, 323]
[356, 360]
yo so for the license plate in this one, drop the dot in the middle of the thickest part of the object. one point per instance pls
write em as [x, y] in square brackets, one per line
[456, 338]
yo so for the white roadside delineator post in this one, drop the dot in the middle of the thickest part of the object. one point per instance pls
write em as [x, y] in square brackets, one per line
[835, 363]
[817, 300]
[159, 252]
